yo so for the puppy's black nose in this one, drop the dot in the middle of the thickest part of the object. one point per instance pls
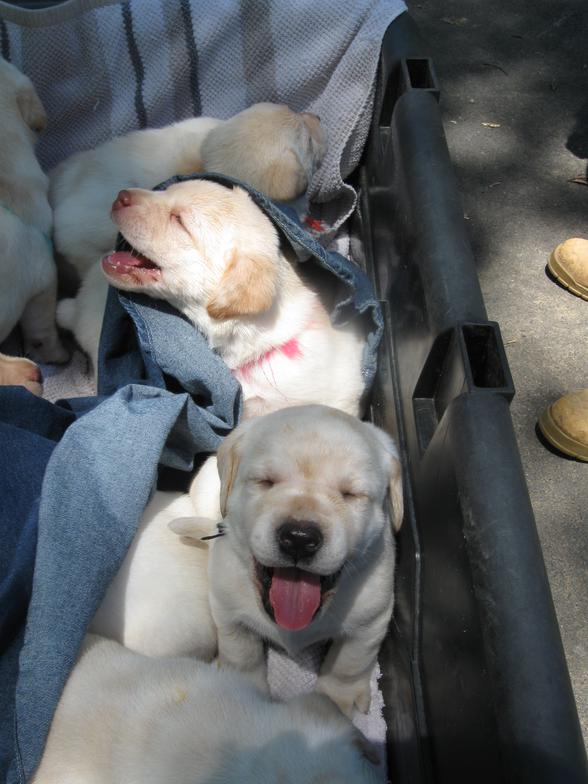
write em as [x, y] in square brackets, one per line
[299, 538]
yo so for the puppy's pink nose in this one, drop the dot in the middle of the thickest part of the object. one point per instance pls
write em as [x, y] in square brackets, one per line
[124, 199]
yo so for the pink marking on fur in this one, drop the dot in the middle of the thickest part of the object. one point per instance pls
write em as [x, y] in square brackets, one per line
[291, 349]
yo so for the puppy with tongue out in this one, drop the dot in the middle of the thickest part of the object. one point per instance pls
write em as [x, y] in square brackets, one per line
[307, 553]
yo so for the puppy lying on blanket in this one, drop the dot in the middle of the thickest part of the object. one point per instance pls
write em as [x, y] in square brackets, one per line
[213, 254]
[268, 146]
[126, 718]
[307, 553]
[27, 268]
[157, 604]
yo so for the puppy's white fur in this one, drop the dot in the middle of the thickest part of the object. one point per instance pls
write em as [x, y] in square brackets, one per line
[158, 602]
[126, 718]
[309, 463]
[267, 145]
[83, 314]
[27, 268]
[221, 264]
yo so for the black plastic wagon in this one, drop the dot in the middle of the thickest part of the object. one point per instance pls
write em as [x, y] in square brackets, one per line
[474, 678]
[475, 682]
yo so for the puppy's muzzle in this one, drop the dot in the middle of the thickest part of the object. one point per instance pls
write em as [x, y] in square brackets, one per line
[124, 199]
[299, 539]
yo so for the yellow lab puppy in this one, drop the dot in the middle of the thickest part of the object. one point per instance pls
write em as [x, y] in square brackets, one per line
[268, 146]
[27, 268]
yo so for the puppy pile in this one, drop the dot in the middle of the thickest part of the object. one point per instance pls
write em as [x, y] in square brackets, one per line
[187, 722]
[29, 276]
[284, 538]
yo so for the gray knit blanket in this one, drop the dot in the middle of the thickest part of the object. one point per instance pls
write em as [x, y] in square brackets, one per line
[105, 67]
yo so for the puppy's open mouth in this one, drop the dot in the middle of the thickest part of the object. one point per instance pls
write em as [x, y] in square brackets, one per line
[129, 262]
[292, 597]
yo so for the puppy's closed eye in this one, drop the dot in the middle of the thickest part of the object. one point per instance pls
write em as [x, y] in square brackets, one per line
[352, 494]
[177, 219]
[265, 483]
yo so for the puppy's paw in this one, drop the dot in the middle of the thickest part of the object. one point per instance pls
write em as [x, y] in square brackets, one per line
[50, 351]
[347, 696]
[20, 372]
[259, 679]
[363, 697]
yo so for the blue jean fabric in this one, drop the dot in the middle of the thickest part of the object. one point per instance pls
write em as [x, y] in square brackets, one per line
[76, 476]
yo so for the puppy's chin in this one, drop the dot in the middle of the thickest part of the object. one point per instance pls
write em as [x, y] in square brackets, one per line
[293, 597]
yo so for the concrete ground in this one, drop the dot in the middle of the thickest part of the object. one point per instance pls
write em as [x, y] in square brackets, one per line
[522, 68]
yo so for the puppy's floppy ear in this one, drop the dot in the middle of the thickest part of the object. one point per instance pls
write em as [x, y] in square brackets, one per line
[31, 108]
[394, 473]
[396, 494]
[228, 458]
[247, 287]
[284, 179]
[318, 137]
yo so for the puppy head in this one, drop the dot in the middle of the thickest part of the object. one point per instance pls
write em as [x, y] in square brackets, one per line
[269, 147]
[304, 491]
[206, 248]
[306, 740]
[19, 98]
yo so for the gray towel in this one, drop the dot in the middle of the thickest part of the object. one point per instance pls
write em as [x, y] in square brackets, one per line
[105, 67]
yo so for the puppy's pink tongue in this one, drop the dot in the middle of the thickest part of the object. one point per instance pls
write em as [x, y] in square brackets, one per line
[122, 261]
[295, 596]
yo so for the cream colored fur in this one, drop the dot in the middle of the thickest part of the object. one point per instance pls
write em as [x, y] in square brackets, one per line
[18, 371]
[310, 463]
[157, 603]
[126, 718]
[27, 268]
[221, 265]
[267, 145]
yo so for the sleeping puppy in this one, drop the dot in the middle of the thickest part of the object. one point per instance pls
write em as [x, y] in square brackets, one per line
[157, 604]
[307, 553]
[268, 146]
[127, 718]
[214, 255]
[27, 268]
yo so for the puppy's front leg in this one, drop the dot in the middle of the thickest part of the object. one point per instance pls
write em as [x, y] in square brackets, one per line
[243, 650]
[39, 328]
[346, 671]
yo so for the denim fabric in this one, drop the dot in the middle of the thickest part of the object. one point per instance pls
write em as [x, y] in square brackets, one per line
[164, 399]
[28, 435]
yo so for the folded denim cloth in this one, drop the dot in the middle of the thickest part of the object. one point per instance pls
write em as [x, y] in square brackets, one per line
[79, 473]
